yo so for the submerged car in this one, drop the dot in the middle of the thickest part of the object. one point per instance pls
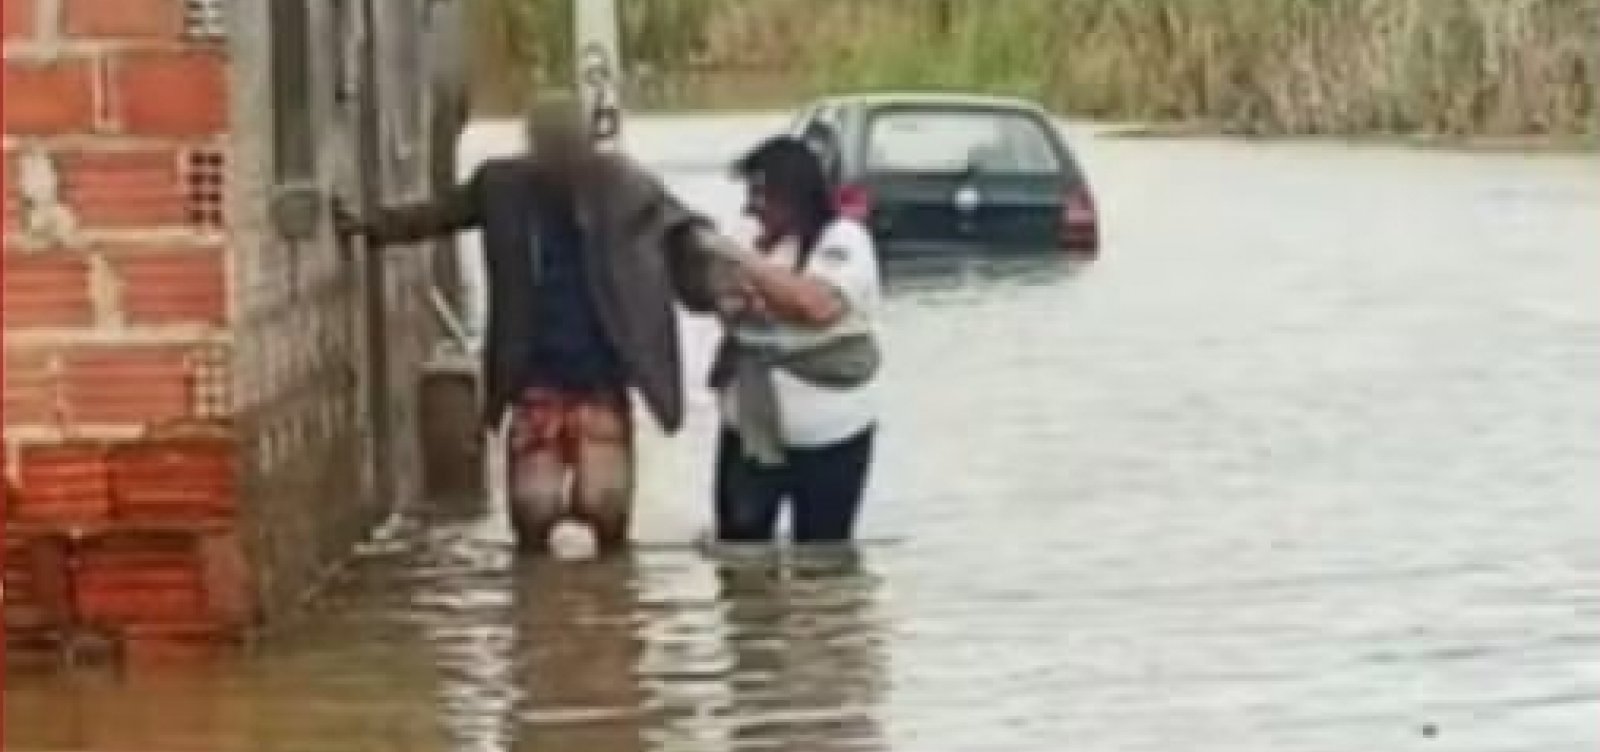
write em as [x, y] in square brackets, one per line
[945, 172]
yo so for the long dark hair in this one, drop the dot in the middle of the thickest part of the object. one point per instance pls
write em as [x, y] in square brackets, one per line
[790, 172]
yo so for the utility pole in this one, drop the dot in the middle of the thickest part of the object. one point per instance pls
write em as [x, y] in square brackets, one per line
[599, 67]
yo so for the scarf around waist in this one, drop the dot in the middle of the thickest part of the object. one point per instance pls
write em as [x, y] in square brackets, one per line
[842, 362]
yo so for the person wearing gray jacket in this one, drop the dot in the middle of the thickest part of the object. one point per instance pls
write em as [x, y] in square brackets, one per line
[586, 254]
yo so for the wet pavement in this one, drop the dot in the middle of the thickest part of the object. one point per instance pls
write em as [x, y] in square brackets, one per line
[1305, 462]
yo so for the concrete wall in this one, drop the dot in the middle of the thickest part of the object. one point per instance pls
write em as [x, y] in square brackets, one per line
[309, 396]
[190, 397]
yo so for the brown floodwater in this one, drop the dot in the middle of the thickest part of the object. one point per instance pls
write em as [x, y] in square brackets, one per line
[1307, 461]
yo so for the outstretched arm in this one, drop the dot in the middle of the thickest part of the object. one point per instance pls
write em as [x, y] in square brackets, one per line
[794, 297]
[695, 272]
[691, 270]
[815, 299]
[456, 210]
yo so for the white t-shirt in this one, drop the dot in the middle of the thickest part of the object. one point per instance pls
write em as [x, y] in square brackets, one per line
[815, 416]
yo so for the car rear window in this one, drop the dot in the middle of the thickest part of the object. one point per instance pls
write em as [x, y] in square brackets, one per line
[950, 140]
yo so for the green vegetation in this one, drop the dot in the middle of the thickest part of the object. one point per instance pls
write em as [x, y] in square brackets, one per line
[1347, 67]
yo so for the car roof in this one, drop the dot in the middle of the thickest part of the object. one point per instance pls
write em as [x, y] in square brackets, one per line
[928, 99]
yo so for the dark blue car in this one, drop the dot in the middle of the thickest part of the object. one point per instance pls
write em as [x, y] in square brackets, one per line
[936, 173]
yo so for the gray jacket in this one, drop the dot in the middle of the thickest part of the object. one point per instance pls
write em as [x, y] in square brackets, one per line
[642, 236]
[843, 363]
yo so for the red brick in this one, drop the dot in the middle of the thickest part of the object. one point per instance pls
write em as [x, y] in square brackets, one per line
[229, 597]
[19, 18]
[47, 290]
[123, 189]
[38, 582]
[122, 19]
[169, 643]
[140, 578]
[127, 384]
[170, 93]
[174, 479]
[53, 97]
[29, 387]
[23, 607]
[65, 483]
[177, 286]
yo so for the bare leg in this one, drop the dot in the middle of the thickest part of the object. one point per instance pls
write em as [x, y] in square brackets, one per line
[603, 481]
[538, 491]
[538, 482]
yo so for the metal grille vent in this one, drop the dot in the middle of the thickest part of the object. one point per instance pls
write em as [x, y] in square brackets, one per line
[208, 372]
[203, 192]
[205, 19]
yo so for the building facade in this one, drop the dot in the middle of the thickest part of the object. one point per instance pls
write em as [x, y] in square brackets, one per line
[208, 396]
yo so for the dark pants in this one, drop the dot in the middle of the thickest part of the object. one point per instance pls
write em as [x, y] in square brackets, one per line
[823, 487]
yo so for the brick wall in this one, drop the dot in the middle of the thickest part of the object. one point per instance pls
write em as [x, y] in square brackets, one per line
[114, 256]
[188, 395]
[121, 489]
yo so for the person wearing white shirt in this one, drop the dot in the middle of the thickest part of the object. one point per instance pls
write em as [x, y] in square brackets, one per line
[810, 291]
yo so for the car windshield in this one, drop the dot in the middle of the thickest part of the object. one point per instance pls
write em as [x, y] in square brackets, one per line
[954, 140]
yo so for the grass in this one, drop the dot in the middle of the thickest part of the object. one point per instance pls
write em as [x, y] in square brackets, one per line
[1454, 68]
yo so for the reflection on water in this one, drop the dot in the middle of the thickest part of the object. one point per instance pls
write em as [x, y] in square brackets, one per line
[905, 277]
[807, 656]
[660, 651]
[1305, 463]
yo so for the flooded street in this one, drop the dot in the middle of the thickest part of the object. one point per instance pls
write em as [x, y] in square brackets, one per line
[1306, 462]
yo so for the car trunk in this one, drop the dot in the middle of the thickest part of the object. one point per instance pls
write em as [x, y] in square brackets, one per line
[1001, 210]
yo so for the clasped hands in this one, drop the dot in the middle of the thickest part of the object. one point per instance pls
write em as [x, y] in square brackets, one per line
[735, 270]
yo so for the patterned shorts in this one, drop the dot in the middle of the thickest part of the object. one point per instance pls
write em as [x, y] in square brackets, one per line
[545, 421]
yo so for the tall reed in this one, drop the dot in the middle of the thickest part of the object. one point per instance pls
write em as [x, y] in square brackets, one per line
[1454, 67]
